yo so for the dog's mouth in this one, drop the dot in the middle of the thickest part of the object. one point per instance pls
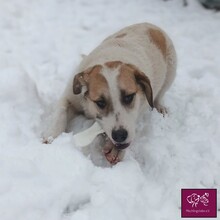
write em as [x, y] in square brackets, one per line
[120, 146]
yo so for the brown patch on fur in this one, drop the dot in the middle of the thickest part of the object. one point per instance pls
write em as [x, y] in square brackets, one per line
[97, 87]
[126, 79]
[127, 84]
[121, 35]
[81, 79]
[157, 37]
[113, 64]
[129, 79]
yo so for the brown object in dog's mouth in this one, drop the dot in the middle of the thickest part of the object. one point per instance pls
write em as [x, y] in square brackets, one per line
[112, 152]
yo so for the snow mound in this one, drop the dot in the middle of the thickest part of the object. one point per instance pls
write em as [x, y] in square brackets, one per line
[41, 44]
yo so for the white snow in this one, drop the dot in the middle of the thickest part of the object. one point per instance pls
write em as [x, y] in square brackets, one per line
[41, 43]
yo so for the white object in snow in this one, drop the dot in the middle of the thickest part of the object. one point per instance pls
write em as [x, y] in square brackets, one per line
[84, 138]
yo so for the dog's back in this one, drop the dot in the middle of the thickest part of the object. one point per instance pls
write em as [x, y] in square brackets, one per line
[143, 45]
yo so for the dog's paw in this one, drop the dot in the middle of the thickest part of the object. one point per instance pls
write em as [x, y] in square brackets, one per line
[48, 140]
[161, 109]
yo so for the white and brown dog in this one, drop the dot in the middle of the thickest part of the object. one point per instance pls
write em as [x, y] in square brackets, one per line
[131, 69]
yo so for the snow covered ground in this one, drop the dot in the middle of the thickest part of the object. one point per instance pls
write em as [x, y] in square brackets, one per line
[40, 45]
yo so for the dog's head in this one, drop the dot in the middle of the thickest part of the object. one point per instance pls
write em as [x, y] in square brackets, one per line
[113, 94]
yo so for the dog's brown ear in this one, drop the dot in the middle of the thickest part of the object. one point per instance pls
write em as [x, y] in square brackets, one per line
[82, 79]
[144, 82]
[78, 83]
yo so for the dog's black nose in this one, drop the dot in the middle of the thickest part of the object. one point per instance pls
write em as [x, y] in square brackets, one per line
[119, 135]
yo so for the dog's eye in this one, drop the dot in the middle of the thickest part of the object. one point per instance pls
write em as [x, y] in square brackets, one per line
[128, 98]
[101, 104]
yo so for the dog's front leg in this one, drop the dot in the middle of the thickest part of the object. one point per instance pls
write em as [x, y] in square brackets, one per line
[57, 122]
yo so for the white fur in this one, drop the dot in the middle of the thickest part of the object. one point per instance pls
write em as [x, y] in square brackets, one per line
[126, 118]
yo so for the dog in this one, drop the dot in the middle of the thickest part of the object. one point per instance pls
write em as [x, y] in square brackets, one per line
[128, 72]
